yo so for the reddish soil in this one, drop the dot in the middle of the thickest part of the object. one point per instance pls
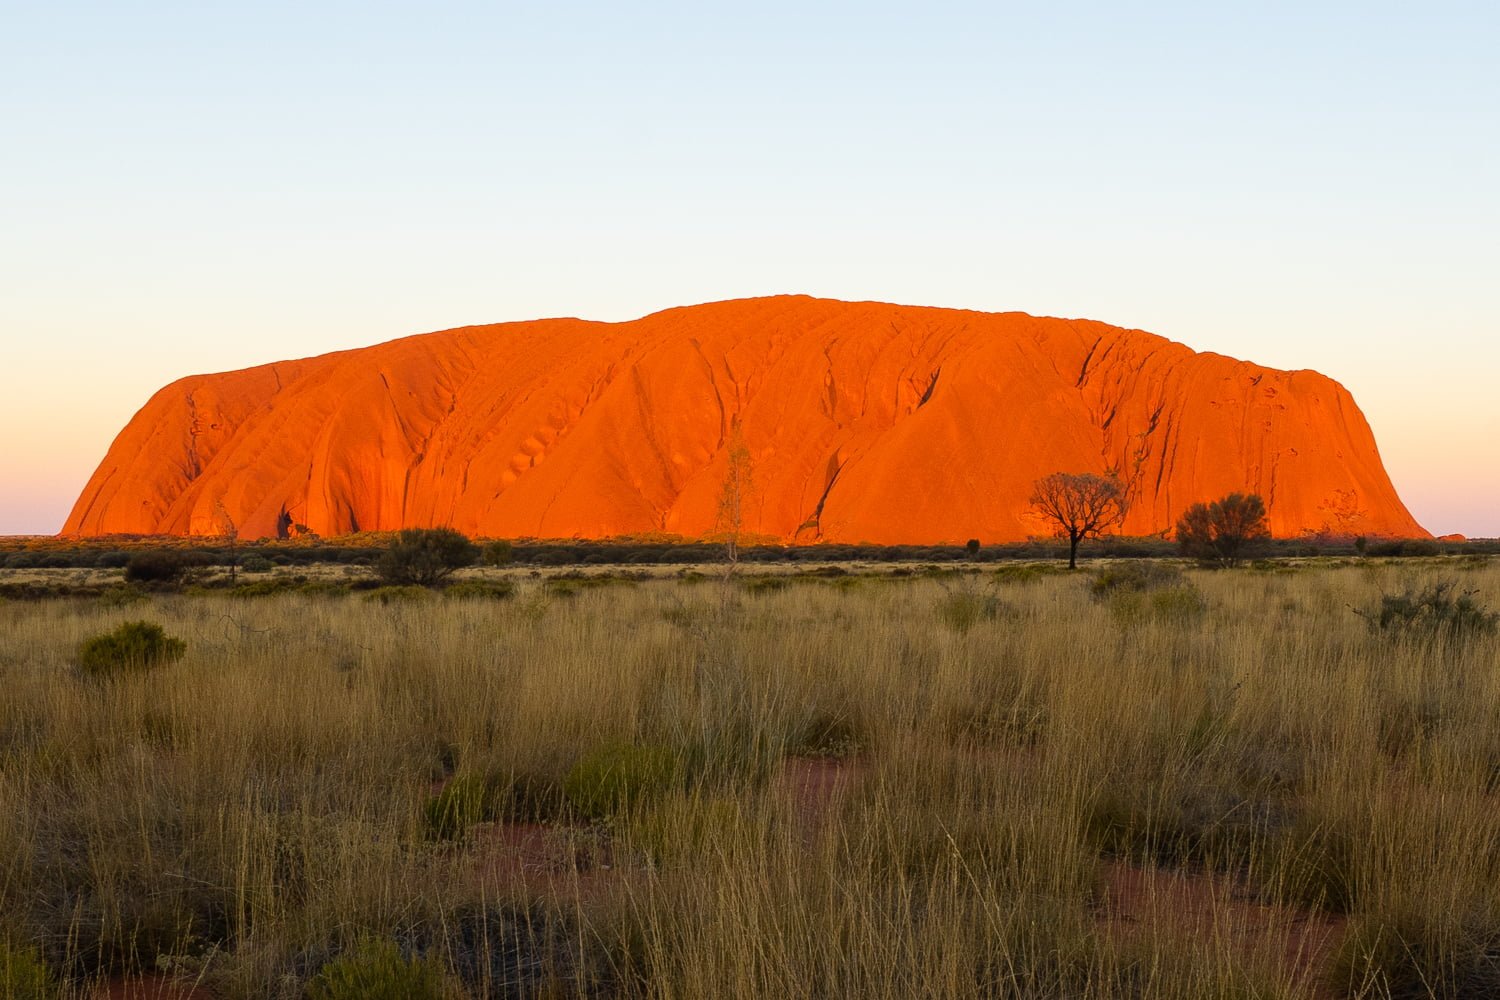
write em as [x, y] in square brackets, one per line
[575, 862]
[1220, 907]
[150, 987]
[554, 860]
[815, 785]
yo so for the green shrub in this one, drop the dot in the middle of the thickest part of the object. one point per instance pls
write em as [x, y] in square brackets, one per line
[376, 970]
[763, 584]
[1020, 573]
[425, 557]
[324, 588]
[1137, 576]
[480, 590]
[256, 564]
[120, 596]
[138, 645]
[396, 595]
[1192, 822]
[1436, 609]
[562, 587]
[681, 828]
[963, 608]
[611, 778]
[465, 800]
[1181, 603]
[24, 976]
[1167, 605]
[268, 587]
[1315, 860]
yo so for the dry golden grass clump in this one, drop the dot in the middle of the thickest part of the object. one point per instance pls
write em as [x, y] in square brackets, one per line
[1146, 783]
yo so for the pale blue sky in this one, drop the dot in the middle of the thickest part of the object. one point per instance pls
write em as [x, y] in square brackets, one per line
[196, 187]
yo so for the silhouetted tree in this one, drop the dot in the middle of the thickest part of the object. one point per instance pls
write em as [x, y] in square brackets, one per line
[426, 556]
[1218, 532]
[1080, 504]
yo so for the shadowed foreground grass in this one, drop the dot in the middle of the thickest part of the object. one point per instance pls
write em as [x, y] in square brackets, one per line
[984, 785]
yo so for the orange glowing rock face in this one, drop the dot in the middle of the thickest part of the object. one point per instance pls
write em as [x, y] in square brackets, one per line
[864, 422]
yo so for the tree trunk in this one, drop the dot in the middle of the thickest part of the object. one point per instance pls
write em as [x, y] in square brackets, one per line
[1072, 552]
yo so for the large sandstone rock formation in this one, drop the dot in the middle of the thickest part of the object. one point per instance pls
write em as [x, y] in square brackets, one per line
[862, 422]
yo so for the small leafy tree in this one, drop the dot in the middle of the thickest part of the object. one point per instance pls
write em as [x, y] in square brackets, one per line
[426, 556]
[1219, 532]
[1079, 505]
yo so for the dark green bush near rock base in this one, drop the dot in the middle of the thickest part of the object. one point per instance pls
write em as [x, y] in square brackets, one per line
[138, 645]
[498, 553]
[256, 564]
[377, 970]
[425, 557]
[155, 567]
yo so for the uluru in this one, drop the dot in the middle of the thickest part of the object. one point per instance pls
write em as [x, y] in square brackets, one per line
[858, 421]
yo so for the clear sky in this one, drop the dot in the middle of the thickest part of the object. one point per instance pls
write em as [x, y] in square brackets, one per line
[191, 187]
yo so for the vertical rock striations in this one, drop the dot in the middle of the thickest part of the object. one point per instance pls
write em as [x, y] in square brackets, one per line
[864, 422]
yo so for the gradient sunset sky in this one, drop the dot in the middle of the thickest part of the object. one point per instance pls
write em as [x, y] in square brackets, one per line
[198, 187]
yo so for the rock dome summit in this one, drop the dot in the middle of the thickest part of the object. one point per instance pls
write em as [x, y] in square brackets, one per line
[860, 421]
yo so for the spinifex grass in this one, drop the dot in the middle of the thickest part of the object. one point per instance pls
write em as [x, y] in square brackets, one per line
[1262, 798]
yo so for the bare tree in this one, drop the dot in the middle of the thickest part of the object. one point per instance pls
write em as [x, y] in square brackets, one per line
[1081, 505]
[231, 534]
[734, 496]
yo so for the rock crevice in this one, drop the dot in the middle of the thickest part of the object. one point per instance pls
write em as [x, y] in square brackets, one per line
[567, 428]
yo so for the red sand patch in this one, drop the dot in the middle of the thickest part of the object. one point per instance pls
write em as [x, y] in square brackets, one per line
[816, 784]
[1219, 907]
[150, 987]
[554, 860]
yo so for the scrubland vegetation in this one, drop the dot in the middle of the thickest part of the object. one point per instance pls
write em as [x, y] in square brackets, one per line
[1145, 780]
